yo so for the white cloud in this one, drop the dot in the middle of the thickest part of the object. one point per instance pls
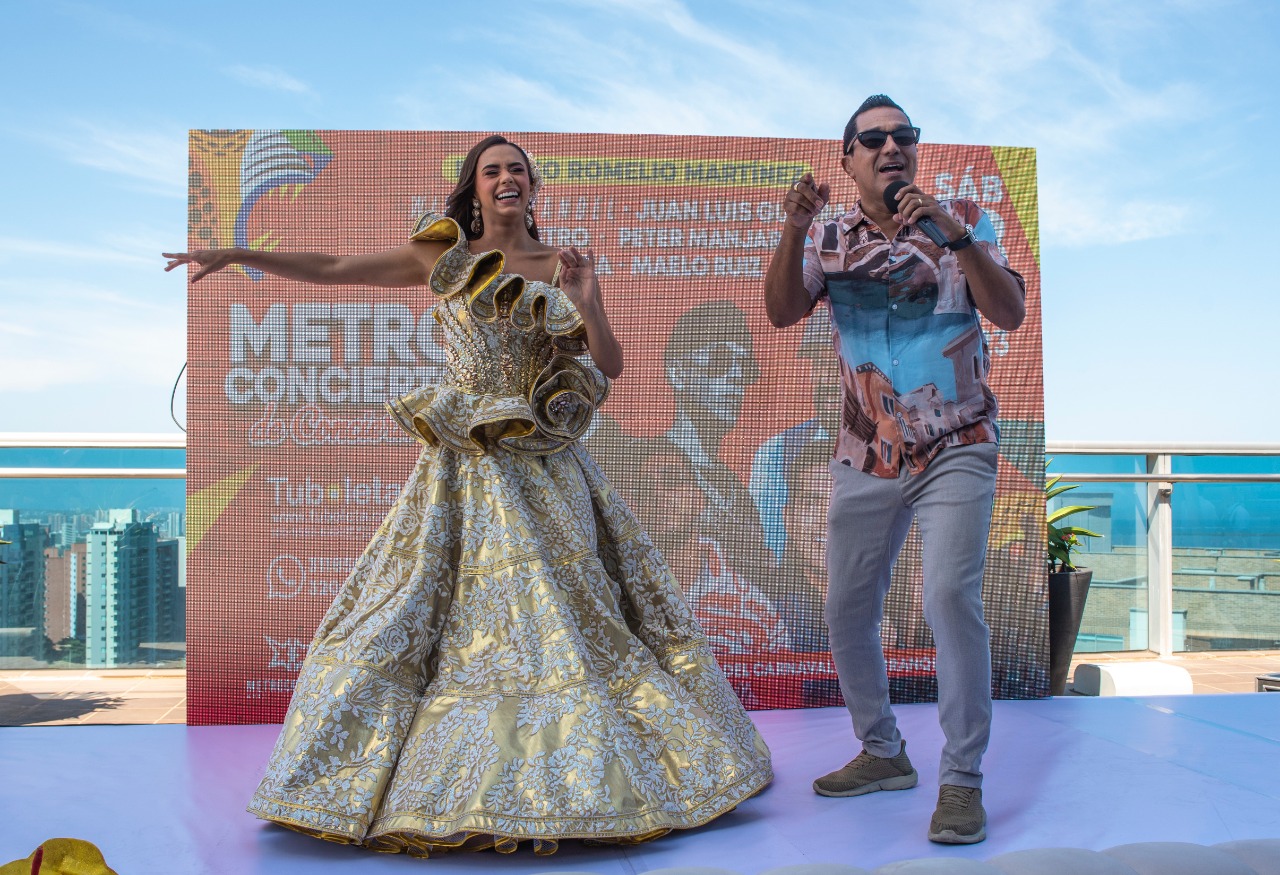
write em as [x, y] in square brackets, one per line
[269, 78]
[63, 334]
[614, 106]
[145, 242]
[624, 67]
[764, 59]
[60, 250]
[1017, 74]
[155, 160]
[93, 354]
[1066, 81]
[1069, 216]
[122, 26]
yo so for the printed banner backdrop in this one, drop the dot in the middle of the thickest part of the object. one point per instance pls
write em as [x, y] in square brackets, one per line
[717, 433]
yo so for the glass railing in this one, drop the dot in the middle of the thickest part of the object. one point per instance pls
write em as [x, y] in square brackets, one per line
[1189, 558]
[93, 574]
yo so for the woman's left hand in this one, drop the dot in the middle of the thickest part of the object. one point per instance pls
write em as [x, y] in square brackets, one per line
[579, 282]
[578, 278]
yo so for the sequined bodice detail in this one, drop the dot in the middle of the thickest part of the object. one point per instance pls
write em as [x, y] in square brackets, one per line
[490, 358]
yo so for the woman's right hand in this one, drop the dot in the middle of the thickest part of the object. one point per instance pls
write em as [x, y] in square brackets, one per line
[405, 266]
[209, 260]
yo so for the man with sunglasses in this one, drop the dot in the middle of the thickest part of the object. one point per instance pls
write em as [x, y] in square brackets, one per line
[917, 440]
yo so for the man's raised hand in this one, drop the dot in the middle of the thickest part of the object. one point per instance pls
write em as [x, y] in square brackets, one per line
[804, 201]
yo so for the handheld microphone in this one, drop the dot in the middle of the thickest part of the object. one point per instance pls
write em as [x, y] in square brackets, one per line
[925, 224]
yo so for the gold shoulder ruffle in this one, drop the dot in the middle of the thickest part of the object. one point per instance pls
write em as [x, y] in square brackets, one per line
[554, 410]
[489, 293]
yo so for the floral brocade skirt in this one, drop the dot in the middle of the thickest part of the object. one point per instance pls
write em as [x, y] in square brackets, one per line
[509, 660]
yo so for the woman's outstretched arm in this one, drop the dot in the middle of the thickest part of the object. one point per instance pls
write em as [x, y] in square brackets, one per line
[404, 266]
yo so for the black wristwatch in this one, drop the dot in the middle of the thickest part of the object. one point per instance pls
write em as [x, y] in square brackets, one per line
[966, 240]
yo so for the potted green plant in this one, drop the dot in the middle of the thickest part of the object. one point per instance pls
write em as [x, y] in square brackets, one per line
[1068, 584]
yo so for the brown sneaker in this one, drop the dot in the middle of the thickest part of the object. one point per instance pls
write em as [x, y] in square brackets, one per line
[959, 818]
[868, 773]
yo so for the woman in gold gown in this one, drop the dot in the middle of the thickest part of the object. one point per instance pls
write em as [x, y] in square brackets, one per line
[510, 658]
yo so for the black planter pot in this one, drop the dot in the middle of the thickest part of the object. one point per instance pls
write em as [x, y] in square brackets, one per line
[1067, 593]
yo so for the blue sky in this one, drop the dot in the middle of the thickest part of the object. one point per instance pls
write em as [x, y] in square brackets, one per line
[1155, 123]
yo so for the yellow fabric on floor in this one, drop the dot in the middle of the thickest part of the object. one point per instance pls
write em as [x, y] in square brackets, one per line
[62, 857]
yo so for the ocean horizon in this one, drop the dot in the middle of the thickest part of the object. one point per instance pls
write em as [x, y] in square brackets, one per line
[1205, 515]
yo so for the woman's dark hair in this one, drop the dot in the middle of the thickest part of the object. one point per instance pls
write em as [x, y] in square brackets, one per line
[458, 204]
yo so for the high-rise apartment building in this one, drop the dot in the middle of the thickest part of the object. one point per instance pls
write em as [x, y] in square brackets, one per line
[22, 583]
[64, 575]
[171, 562]
[175, 524]
[130, 592]
[67, 530]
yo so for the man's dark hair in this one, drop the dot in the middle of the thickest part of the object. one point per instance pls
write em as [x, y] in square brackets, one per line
[704, 324]
[875, 101]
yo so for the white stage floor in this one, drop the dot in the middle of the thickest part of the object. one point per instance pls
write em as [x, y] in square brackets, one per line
[1066, 772]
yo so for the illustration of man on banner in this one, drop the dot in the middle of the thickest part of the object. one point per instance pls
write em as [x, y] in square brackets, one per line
[768, 485]
[710, 363]
[739, 619]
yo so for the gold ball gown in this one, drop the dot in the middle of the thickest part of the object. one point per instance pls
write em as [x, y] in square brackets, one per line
[510, 658]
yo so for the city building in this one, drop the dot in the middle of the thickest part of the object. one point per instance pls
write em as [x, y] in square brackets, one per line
[22, 584]
[131, 592]
[64, 574]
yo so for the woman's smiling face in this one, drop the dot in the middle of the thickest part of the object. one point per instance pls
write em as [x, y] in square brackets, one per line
[503, 185]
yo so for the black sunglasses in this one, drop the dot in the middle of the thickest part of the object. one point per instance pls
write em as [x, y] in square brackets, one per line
[720, 358]
[874, 140]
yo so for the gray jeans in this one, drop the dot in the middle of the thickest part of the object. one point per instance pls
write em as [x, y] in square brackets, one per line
[867, 524]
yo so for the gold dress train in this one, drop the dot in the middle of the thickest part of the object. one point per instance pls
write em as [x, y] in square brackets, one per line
[510, 659]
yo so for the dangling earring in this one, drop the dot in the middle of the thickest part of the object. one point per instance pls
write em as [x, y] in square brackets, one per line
[535, 178]
[476, 225]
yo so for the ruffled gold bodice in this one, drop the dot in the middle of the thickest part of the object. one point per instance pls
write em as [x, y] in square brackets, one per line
[512, 378]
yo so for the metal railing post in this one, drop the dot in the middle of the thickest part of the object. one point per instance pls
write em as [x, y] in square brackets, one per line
[1160, 556]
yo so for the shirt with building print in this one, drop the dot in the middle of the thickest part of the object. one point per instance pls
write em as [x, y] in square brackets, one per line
[913, 357]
